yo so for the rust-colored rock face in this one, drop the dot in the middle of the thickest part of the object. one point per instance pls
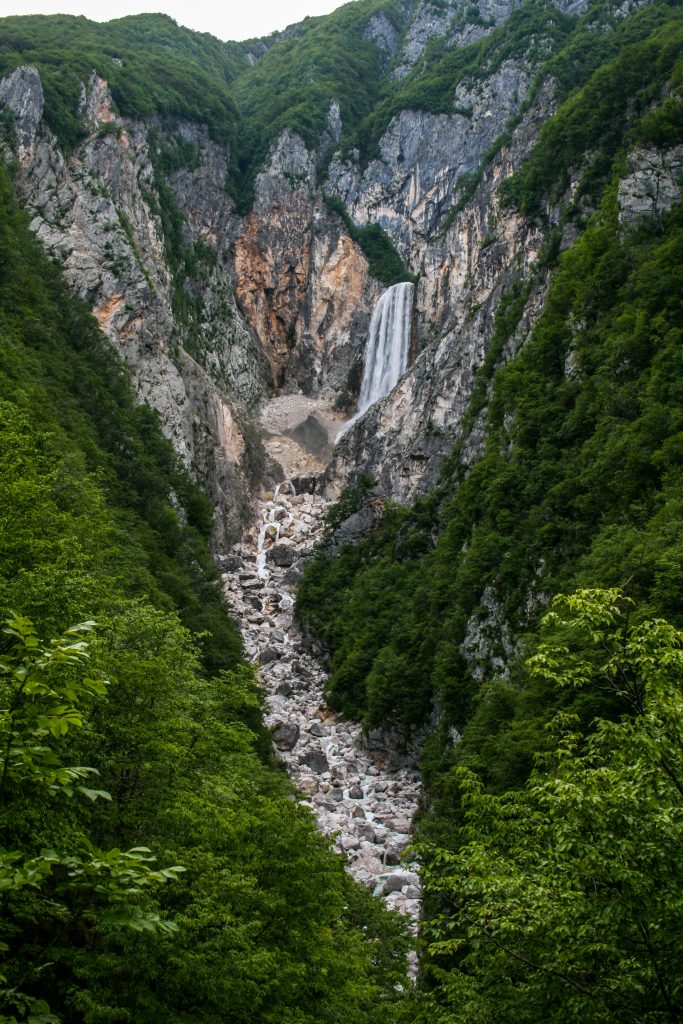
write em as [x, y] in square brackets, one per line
[302, 284]
[340, 285]
[271, 270]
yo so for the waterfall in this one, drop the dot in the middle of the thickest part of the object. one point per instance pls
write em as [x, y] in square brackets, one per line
[386, 352]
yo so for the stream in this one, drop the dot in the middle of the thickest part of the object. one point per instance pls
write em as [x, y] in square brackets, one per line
[361, 792]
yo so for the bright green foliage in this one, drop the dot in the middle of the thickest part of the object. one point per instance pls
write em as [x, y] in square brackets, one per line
[265, 920]
[43, 689]
[564, 901]
[269, 923]
[44, 693]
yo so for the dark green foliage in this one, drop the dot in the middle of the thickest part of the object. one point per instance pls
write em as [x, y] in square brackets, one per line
[595, 120]
[578, 482]
[268, 922]
[77, 398]
[384, 262]
[593, 40]
[154, 67]
[52, 876]
[333, 61]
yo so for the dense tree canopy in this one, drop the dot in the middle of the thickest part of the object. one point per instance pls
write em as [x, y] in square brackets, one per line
[132, 744]
[564, 900]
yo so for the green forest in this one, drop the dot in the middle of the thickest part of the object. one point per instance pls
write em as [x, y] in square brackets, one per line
[151, 868]
[524, 618]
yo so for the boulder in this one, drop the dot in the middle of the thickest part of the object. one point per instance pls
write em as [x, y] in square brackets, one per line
[366, 831]
[305, 484]
[282, 555]
[316, 761]
[285, 735]
[400, 880]
[292, 576]
[232, 563]
[354, 528]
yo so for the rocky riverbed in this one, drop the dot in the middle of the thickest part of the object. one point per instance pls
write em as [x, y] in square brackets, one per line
[362, 790]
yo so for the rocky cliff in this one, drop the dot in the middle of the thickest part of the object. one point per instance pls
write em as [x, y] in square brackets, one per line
[280, 298]
[97, 212]
[214, 310]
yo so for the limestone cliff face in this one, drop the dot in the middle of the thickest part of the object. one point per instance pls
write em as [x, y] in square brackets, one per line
[465, 270]
[302, 283]
[651, 185]
[410, 187]
[281, 300]
[97, 213]
[486, 251]
[459, 25]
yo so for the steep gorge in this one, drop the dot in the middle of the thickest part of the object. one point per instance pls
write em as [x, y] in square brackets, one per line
[506, 167]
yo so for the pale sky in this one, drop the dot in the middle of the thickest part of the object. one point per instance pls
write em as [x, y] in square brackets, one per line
[227, 20]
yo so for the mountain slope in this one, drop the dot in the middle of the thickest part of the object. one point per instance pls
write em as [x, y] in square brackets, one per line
[231, 213]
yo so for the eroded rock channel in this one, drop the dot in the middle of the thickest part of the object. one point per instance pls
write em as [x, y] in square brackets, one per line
[362, 790]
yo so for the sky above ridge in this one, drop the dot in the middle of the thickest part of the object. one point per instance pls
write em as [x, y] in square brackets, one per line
[227, 20]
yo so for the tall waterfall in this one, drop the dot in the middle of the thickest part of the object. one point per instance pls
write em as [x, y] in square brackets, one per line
[386, 353]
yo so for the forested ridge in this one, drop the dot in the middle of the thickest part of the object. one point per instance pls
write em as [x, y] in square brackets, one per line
[523, 617]
[156, 68]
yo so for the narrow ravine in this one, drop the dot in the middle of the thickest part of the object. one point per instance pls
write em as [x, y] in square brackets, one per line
[361, 791]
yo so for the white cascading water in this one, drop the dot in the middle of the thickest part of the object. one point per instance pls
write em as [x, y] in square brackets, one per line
[273, 520]
[386, 353]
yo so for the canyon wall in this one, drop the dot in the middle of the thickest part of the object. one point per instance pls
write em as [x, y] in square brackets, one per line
[214, 311]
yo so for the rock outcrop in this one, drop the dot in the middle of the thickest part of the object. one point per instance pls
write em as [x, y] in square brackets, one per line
[96, 213]
[21, 92]
[652, 184]
[302, 283]
[482, 254]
